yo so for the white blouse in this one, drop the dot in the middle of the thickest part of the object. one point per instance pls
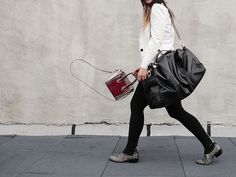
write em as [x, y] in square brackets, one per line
[159, 34]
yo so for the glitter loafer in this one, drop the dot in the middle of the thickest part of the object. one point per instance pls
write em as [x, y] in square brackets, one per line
[123, 157]
[208, 158]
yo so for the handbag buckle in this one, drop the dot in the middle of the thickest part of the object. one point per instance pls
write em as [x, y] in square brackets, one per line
[149, 73]
[182, 43]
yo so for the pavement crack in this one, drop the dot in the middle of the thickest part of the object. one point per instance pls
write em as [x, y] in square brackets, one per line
[179, 156]
[41, 157]
[111, 153]
[232, 141]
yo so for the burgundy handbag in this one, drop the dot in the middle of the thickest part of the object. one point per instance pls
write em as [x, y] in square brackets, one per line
[119, 84]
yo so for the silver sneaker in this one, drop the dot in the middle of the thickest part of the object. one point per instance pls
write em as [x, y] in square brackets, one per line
[208, 158]
[123, 157]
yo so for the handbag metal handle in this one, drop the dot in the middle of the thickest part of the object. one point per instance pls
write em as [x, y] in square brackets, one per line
[160, 52]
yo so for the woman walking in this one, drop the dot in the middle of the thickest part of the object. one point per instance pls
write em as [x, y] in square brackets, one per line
[158, 33]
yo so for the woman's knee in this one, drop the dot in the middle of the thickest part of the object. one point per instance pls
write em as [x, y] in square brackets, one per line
[175, 113]
[175, 110]
[172, 113]
[136, 105]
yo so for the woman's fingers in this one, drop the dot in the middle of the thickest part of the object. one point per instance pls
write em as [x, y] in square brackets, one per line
[142, 74]
[141, 77]
[144, 77]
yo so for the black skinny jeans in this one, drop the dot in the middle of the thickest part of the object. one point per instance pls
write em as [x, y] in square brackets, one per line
[175, 110]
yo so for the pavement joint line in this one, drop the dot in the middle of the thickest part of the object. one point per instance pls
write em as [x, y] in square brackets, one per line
[40, 173]
[111, 153]
[12, 137]
[23, 171]
[5, 143]
[49, 173]
[231, 141]
[179, 156]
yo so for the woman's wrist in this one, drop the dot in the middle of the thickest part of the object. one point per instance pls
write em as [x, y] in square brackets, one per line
[143, 68]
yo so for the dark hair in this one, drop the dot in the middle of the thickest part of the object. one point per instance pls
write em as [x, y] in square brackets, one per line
[153, 2]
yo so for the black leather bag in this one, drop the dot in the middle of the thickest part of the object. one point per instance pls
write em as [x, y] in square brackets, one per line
[172, 77]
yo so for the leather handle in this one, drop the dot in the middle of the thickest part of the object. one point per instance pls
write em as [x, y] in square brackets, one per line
[159, 52]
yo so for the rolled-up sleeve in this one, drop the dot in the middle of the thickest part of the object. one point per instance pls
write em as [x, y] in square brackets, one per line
[158, 22]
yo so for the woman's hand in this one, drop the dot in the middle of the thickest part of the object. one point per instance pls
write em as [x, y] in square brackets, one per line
[140, 73]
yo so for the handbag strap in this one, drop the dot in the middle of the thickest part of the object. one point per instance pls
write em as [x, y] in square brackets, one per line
[102, 70]
[177, 31]
[178, 35]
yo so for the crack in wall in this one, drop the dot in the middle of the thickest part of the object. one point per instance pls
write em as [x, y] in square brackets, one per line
[107, 123]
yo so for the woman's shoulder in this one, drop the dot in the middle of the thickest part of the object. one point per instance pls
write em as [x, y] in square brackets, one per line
[159, 7]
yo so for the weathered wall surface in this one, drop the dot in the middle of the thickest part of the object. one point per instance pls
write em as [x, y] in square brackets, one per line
[39, 39]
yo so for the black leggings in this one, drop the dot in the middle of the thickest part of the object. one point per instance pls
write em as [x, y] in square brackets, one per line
[176, 111]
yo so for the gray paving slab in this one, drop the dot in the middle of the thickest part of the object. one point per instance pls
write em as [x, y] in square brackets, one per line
[81, 155]
[52, 175]
[16, 162]
[87, 156]
[4, 139]
[212, 176]
[158, 157]
[86, 144]
[20, 152]
[8, 175]
[233, 140]
[145, 176]
[36, 143]
[191, 149]
[4, 156]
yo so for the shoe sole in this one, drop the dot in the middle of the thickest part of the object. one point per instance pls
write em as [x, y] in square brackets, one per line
[127, 161]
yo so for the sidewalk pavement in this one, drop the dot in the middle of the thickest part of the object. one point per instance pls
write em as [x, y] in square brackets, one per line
[87, 156]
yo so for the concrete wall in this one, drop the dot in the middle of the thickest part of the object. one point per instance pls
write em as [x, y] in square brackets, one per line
[39, 39]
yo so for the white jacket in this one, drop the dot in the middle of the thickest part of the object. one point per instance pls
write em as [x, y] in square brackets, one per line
[159, 34]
